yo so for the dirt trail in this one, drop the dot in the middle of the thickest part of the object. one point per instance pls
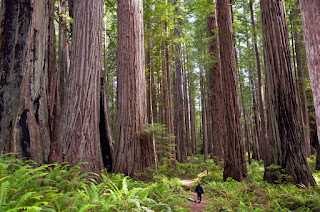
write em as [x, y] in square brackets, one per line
[195, 207]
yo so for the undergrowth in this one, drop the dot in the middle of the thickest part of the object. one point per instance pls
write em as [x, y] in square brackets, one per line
[188, 170]
[56, 187]
[254, 194]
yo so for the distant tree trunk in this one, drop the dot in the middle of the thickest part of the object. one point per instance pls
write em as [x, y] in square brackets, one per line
[234, 160]
[246, 130]
[193, 122]
[105, 131]
[179, 116]
[302, 93]
[133, 149]
[106, 137]
[285, 142]
[169, 107]
[310, 10]
[59, 78]
[256, 129]
[255, 145]
[80, 126]
[262, 128]
[149, 66]
[216, 87]
[204, 117]
[26, 56]
[186, 107]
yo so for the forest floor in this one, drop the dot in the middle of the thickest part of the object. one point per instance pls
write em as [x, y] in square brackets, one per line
[195, 207]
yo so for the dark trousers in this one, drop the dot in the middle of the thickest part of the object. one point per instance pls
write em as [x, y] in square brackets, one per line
[199, 196]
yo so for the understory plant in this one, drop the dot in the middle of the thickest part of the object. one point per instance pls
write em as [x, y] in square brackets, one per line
[57, 187]
[254, 194]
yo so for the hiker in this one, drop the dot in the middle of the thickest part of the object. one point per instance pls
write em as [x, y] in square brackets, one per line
[199, 191]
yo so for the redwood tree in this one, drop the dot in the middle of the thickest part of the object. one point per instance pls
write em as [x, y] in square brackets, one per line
[310, 13]
[133, 150]
[234, 160]
[80, 127]
[216, 86]
[179, 116]
[285, 141]
[57, 82]
[261, 128]
[26, 57]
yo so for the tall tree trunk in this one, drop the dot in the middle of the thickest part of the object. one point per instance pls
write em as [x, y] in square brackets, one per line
[302, 92]
[106, 137]
[26, 49]
[204, 117]
[80, 127]
[234, 159]
[133, 149]
[285, 140]
[179, 116]
[149, 66]
[61, 76]
[193, 122]
[186, 106]
[169, 107]
[262, 128]
[216, 87]
[310, 10]
[256, 131]
[246, 130]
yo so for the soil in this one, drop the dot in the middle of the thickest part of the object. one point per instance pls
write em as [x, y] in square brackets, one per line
[195, 207]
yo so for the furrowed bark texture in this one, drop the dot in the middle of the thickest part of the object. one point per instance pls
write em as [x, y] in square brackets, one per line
[310, 13]
[179, 116]
[234, 160]
[133, 150]
[261, 126]
[24, 67]
[285, 142]
[57, 82]
[80, 127]
[216, 87]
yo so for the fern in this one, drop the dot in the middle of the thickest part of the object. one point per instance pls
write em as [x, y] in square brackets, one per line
[4, 188]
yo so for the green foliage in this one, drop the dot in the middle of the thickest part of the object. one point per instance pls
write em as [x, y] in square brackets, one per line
[58, 187]
[254, 194]
[162, 138]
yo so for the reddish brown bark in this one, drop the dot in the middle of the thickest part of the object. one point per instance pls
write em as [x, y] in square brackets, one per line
[262, 138]
[216, 87]
[57, 82]
[234, 160]
[26, 56]
[193, 123]
[133, 150]
[80, 127]
[204, 117]
[186, 107]
[285, 141]
[310, 10]
[179, 115]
